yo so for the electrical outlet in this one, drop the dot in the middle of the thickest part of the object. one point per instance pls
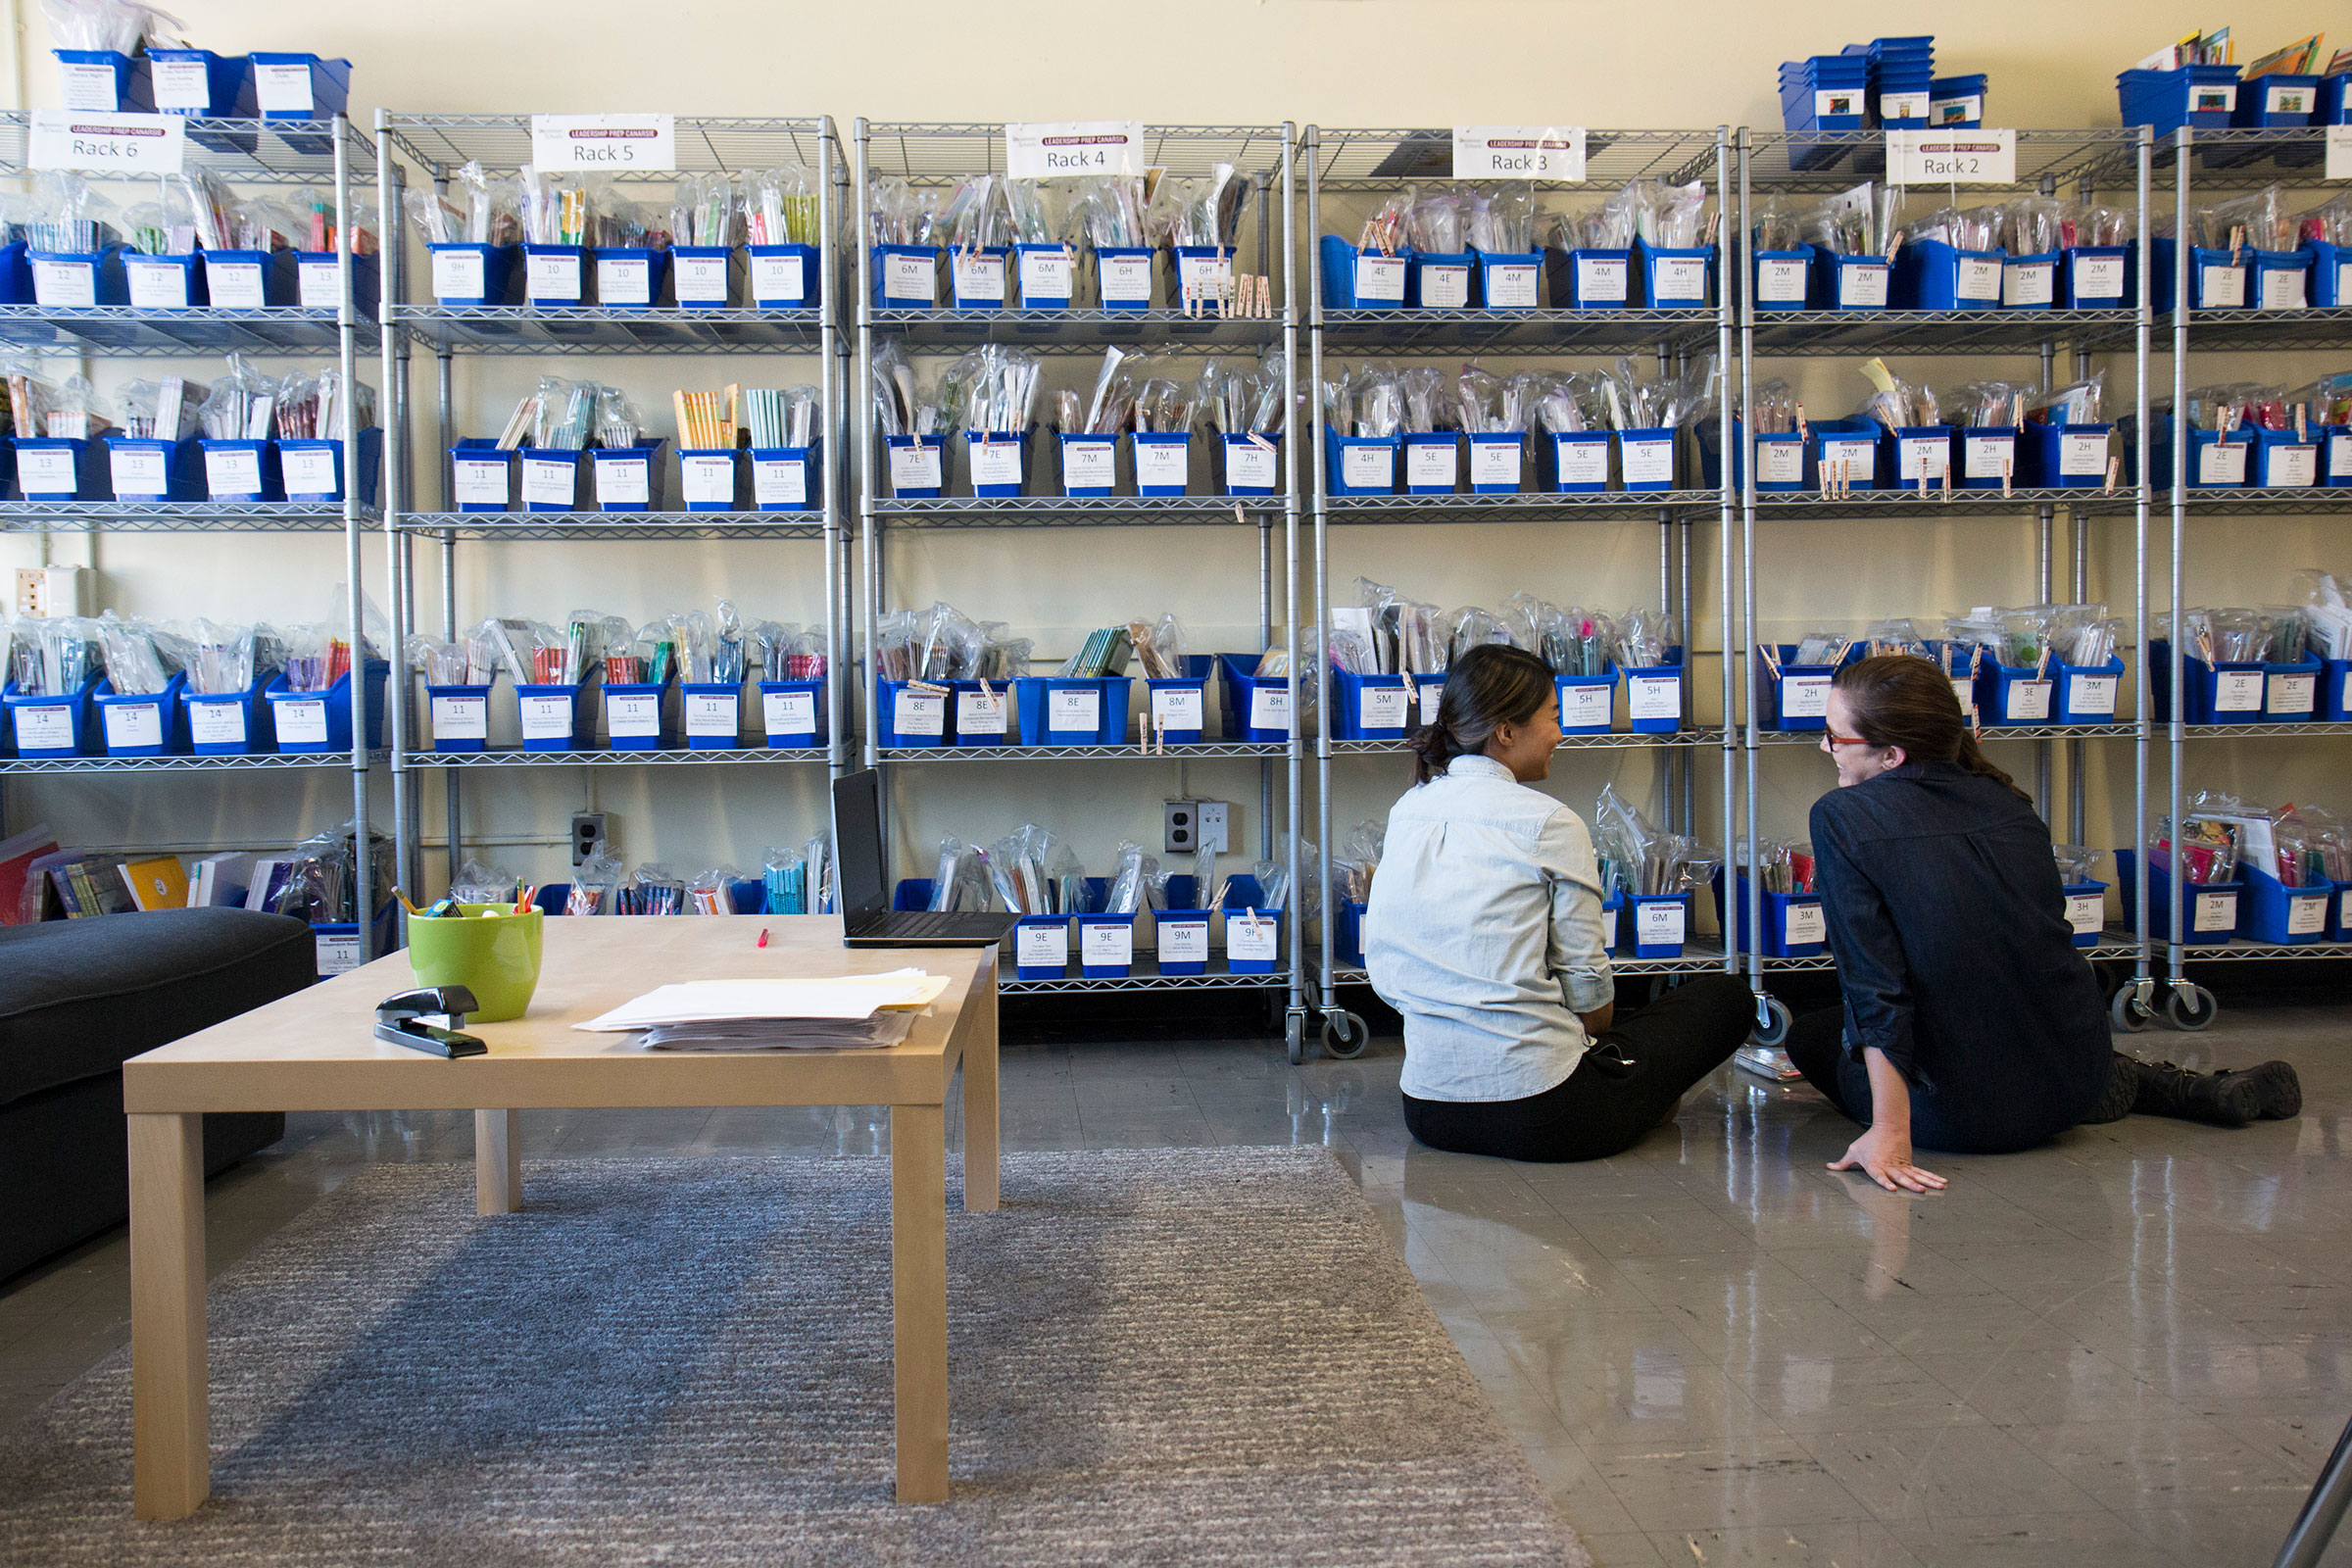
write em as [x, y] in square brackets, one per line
[587, 836]
[1217, 826]
[32, 592]
[1182, 828]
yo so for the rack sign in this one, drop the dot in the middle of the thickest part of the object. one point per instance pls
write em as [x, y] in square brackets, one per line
[1063, 148]
[146, 144]
[1952, 156]
[2339, 152]
[604, 141]
[1519, 152]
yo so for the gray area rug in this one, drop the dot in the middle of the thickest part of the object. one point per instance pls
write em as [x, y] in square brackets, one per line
[1179, 1356]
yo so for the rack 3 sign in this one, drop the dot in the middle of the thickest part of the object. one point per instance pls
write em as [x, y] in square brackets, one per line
[1952, 156]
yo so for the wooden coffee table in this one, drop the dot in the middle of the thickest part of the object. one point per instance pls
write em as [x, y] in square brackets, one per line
[315, 1051]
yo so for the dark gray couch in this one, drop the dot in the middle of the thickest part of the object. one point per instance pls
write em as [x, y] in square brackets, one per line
[77, 997]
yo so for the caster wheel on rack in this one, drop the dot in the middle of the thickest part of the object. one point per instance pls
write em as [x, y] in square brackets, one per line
[1294, 1038]
[1345, 1036]
[2190, 1007]
[2126, 1011]
[1773, 1021]
[1659, 985]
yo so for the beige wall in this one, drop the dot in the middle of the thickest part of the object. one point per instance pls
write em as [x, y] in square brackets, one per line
[1334, 62]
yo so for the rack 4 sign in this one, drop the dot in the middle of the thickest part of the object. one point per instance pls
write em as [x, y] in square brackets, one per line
[1061, 148]
[1519, 152]
[604, 141]
[1952, 156]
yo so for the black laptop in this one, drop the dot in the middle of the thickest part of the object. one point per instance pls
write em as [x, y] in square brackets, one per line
[867, 918]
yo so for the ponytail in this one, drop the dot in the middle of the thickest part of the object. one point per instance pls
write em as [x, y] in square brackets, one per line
[1898, 699]
[1973, 759]
[1433, 749]
[1492, 684]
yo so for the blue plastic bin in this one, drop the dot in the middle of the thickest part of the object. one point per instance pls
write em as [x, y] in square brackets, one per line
[1360, 464]
[556, 276]
[2330, 273]
[1253, 936]
[457, 717]
[163, 282]
[1370, 708]
[2275, 100]
[636, 717]
[62, 468]
[1849, 282]
[999, 461]
[982, 714]
[710, 713]
[1253, 463]
[1497, 462]
[2335, 690]
[1988, 456]
[1179, 938]
[1676, 278]
[227, 723]
[1177, 713]
[1848, 449]
[1041, 947]
[1654, 925]
[629, 278]
[104, 81]
[1930, 276]
[557, 719]
[2086, 911]
[481, 476]
[1356, 279]
[1956, 103]
[313, 471]
[2268, 911]
[1206, 268]
[142, 470]
[1163, 461]
[905, 276]
[2014, 694]
[15, 275]
[977, 277]
[1510, 280]
[2217, 459]
[2281, 462]
[701, 277]
[553, 480]
[1090, 465]
[1433, 461]
[1782, 280]
[241, 471]
[1123, 276]
[913, 713]
[249, 281]
[301, 87]
[320, 722]
[1439, 280]
[1646, 459]
[2290, 693]
[2336, 455]
[2220, 693]
[2216, 278]
[1588, 703]
[2095, 277]
[2280, 281]
[1916, 457]
[319, 282]
[711, 480]
[782, 277]
[792, 712]
[200, 84]
[1797, 698]
[1105, 945]
[53, 726]
[628, 478]
[1256, 708]
[2088, 693]
[918, 466]
[2065, 456]
[152, 724]
[1592, 279]
[2200, 97]
[62, 281]
[2031, 282]
[1577, 464]
[1795, 926]
[1045, 275]
[1057, 711]
[784, 479]
[1653, 696]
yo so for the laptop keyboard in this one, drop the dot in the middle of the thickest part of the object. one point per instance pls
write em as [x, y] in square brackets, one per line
[924, 924]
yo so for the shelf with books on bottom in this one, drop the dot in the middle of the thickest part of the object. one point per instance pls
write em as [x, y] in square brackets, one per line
[184, 765]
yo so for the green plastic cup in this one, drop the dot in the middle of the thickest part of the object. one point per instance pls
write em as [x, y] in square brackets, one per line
[496, 956]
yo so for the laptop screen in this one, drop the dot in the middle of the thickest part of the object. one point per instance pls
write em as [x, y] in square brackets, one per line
[858, 847]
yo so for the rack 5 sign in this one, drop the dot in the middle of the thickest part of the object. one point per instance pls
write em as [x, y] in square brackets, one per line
[604, 141]
[1952, 156]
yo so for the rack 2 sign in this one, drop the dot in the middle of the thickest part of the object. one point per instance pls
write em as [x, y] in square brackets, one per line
[1952, 156]
[146, 144]
[604, 141]
[1062, 149]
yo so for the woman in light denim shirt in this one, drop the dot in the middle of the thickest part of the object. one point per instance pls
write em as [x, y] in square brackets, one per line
[1484, 931]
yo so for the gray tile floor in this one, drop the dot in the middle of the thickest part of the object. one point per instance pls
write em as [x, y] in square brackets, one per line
[2132, 1346]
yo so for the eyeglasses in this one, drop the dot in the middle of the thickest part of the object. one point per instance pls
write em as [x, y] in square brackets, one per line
[1830, 743]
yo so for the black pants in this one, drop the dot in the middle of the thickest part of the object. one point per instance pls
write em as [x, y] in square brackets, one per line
[1627, 1084]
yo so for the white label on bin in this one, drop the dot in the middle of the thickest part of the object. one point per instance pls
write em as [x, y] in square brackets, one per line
[1048, 149]
[2222, 287]
[1045, 275]
[1902, 106]
[2306, 917]
[1067, 711]
[2215, 912]
[2288, 101]
[234, 472]
[1659, 925]
[1383, 707]
[1494, 463]
[2082, 454]
[89, 88]
[914, 468]
[1924, 456]
[1952, 156]
[1182, 941]
[2292, 694]
[632, 714]
[1089, 466]
[1368, 468]
[788, 712]
[1380, 277]
[1445, 286]
[920, 713]
[1106, 942]
[1863, 286]
[1649, 462]
[713, 713]
[45, 729]
[624, 280]
[1041, 947]
[979, 277]
[1602, 280]
[604, 141]
[2091, 694]
[2028, 283]
[1803, 925]
[1249, 466]
[181, 84]
[64, 283]
[1964, 691]
[1519, 152]
[1804, 696]
[46, 471]
[624, 481]
[480, 481]
[1837, 101]
[1608, 927]
[1270, 708]
[156, 284]
[1514, 285]
[1583, 461]
[1979, 277]
[1984, 457]
[338, 952]
[283, 89]
[73, 138]
[707, 479]
[2339, 152]
[1653, 696]
[235, 285]
[461, 718]
[909, 281]
[2340, 457]
[309, 470]
[699, 279]
[997, 462]
[320, 284]
[2029, 702]
[552, 279]
[779, 280]
[133, 724]
[1252, 937]
[216, 724]
[139, 471]
[1780, 282]
[2098, 277]
[1177, 708]
[546, 718]
[1585, 706]
[549, 483]
[1203, 275]
[2282, 288]
[2222, 463]
[1431, 464]
[1677, 280]
[780, 482]
[2238, 691]
[300, 721]
[1953, 111]
[980, 712]
[2291, 467]
[1779, 463]
[1124, 278]
[1433, 697]
[2086, 913]
[460, 274]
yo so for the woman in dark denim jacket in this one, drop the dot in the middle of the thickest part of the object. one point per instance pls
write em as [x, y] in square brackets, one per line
[1971, 1023]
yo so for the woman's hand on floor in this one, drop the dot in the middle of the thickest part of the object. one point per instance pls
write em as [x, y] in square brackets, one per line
[1885, 1156]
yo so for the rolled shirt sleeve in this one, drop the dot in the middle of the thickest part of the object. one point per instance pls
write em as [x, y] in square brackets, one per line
[1871, 971]
[1576, 953]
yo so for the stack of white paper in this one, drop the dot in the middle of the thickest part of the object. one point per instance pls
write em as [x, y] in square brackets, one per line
[841, 1012]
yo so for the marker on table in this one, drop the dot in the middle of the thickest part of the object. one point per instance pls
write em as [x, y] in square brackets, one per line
[763, 935]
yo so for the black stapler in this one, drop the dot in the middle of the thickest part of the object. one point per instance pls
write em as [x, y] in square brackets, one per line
[397, 1020]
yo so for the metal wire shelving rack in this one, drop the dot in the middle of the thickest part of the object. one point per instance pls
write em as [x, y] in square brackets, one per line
[929, 155]
[272, 155]
[432, 147]
[1378, 162]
